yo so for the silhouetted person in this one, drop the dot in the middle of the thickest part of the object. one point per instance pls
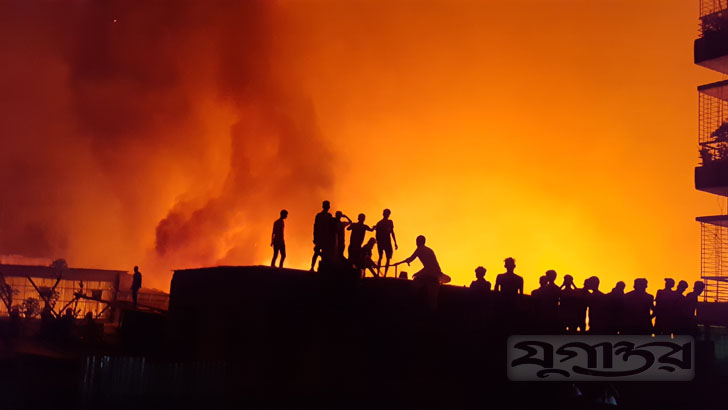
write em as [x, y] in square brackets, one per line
[47, 323]
[341, 233]
[551, 281]
[277, 240]
[551, 300]
[598, 307]
[365, 258]
[676, 309]
[509, 283]
[664, 307]
[616, 308]
[480, 284]
[569, 305]
[582, 303]
[323, 234]
[544, 305]
[681, 287]
[385, 235]
[90, 331]
[430, 276]
[638, 305]
[356, 239]
[542, 283]
[430, 271]
[66, 324]
[136, 284]
[690, 306]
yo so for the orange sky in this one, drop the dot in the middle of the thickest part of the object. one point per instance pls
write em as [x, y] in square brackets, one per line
[561, 133]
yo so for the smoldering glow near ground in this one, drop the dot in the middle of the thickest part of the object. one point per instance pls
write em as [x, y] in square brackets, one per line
[557, 132]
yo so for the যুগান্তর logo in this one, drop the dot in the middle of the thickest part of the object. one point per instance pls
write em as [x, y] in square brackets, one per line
[601, 357]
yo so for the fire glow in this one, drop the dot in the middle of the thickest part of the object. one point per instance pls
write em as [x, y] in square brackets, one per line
[169, 135]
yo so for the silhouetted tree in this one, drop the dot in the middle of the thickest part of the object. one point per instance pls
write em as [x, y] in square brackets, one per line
[6, 294]
[30, 307]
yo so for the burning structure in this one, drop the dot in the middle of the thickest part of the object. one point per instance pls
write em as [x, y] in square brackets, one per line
[96, 291]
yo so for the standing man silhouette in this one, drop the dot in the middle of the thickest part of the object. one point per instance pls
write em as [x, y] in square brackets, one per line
[356, 239]
[509, 283]
[663, 307]
[136, 284]
[638, 309]
[277, 240]
[690, 307]
[341, 233]
[323, 234]
[385, 235]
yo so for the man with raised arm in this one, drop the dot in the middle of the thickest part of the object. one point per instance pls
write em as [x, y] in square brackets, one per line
[430, 271]
[356, 239]
[430, 276]
[341, 232]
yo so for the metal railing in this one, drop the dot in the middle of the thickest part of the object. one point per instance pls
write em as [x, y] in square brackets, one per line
[714, 261]
[713, 16]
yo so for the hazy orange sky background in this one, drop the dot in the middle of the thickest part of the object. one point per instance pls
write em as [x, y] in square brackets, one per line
[561, 133]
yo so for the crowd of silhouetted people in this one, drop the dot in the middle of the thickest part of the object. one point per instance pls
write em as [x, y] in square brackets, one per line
[556, 308]
[569, 308]
[329, 240]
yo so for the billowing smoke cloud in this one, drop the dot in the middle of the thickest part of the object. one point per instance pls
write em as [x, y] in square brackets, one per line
[162, 132]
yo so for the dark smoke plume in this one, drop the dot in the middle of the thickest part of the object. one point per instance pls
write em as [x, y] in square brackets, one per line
[156, 130]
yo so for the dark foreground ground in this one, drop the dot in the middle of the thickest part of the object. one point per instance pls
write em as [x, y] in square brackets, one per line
[257, 337]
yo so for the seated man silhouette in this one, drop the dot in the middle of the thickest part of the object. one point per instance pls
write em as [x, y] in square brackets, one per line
[480, 284]
[365, 258]
[508, 283]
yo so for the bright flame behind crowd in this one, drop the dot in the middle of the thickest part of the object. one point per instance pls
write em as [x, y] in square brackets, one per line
[170, 134]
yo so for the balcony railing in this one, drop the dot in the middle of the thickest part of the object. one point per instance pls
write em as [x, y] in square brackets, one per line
[713, 122]
[713, 16]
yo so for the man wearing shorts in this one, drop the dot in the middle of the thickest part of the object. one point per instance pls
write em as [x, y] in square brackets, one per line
[385, 234]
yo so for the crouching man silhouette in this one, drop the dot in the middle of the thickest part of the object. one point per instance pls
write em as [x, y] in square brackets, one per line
[430, 276]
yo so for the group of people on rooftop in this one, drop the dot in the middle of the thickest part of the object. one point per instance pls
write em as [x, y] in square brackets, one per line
[567, 308]
[329, 239]
[564, 308]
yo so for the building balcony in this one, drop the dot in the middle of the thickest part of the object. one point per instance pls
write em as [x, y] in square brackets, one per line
[712, 178]
[711, 49]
